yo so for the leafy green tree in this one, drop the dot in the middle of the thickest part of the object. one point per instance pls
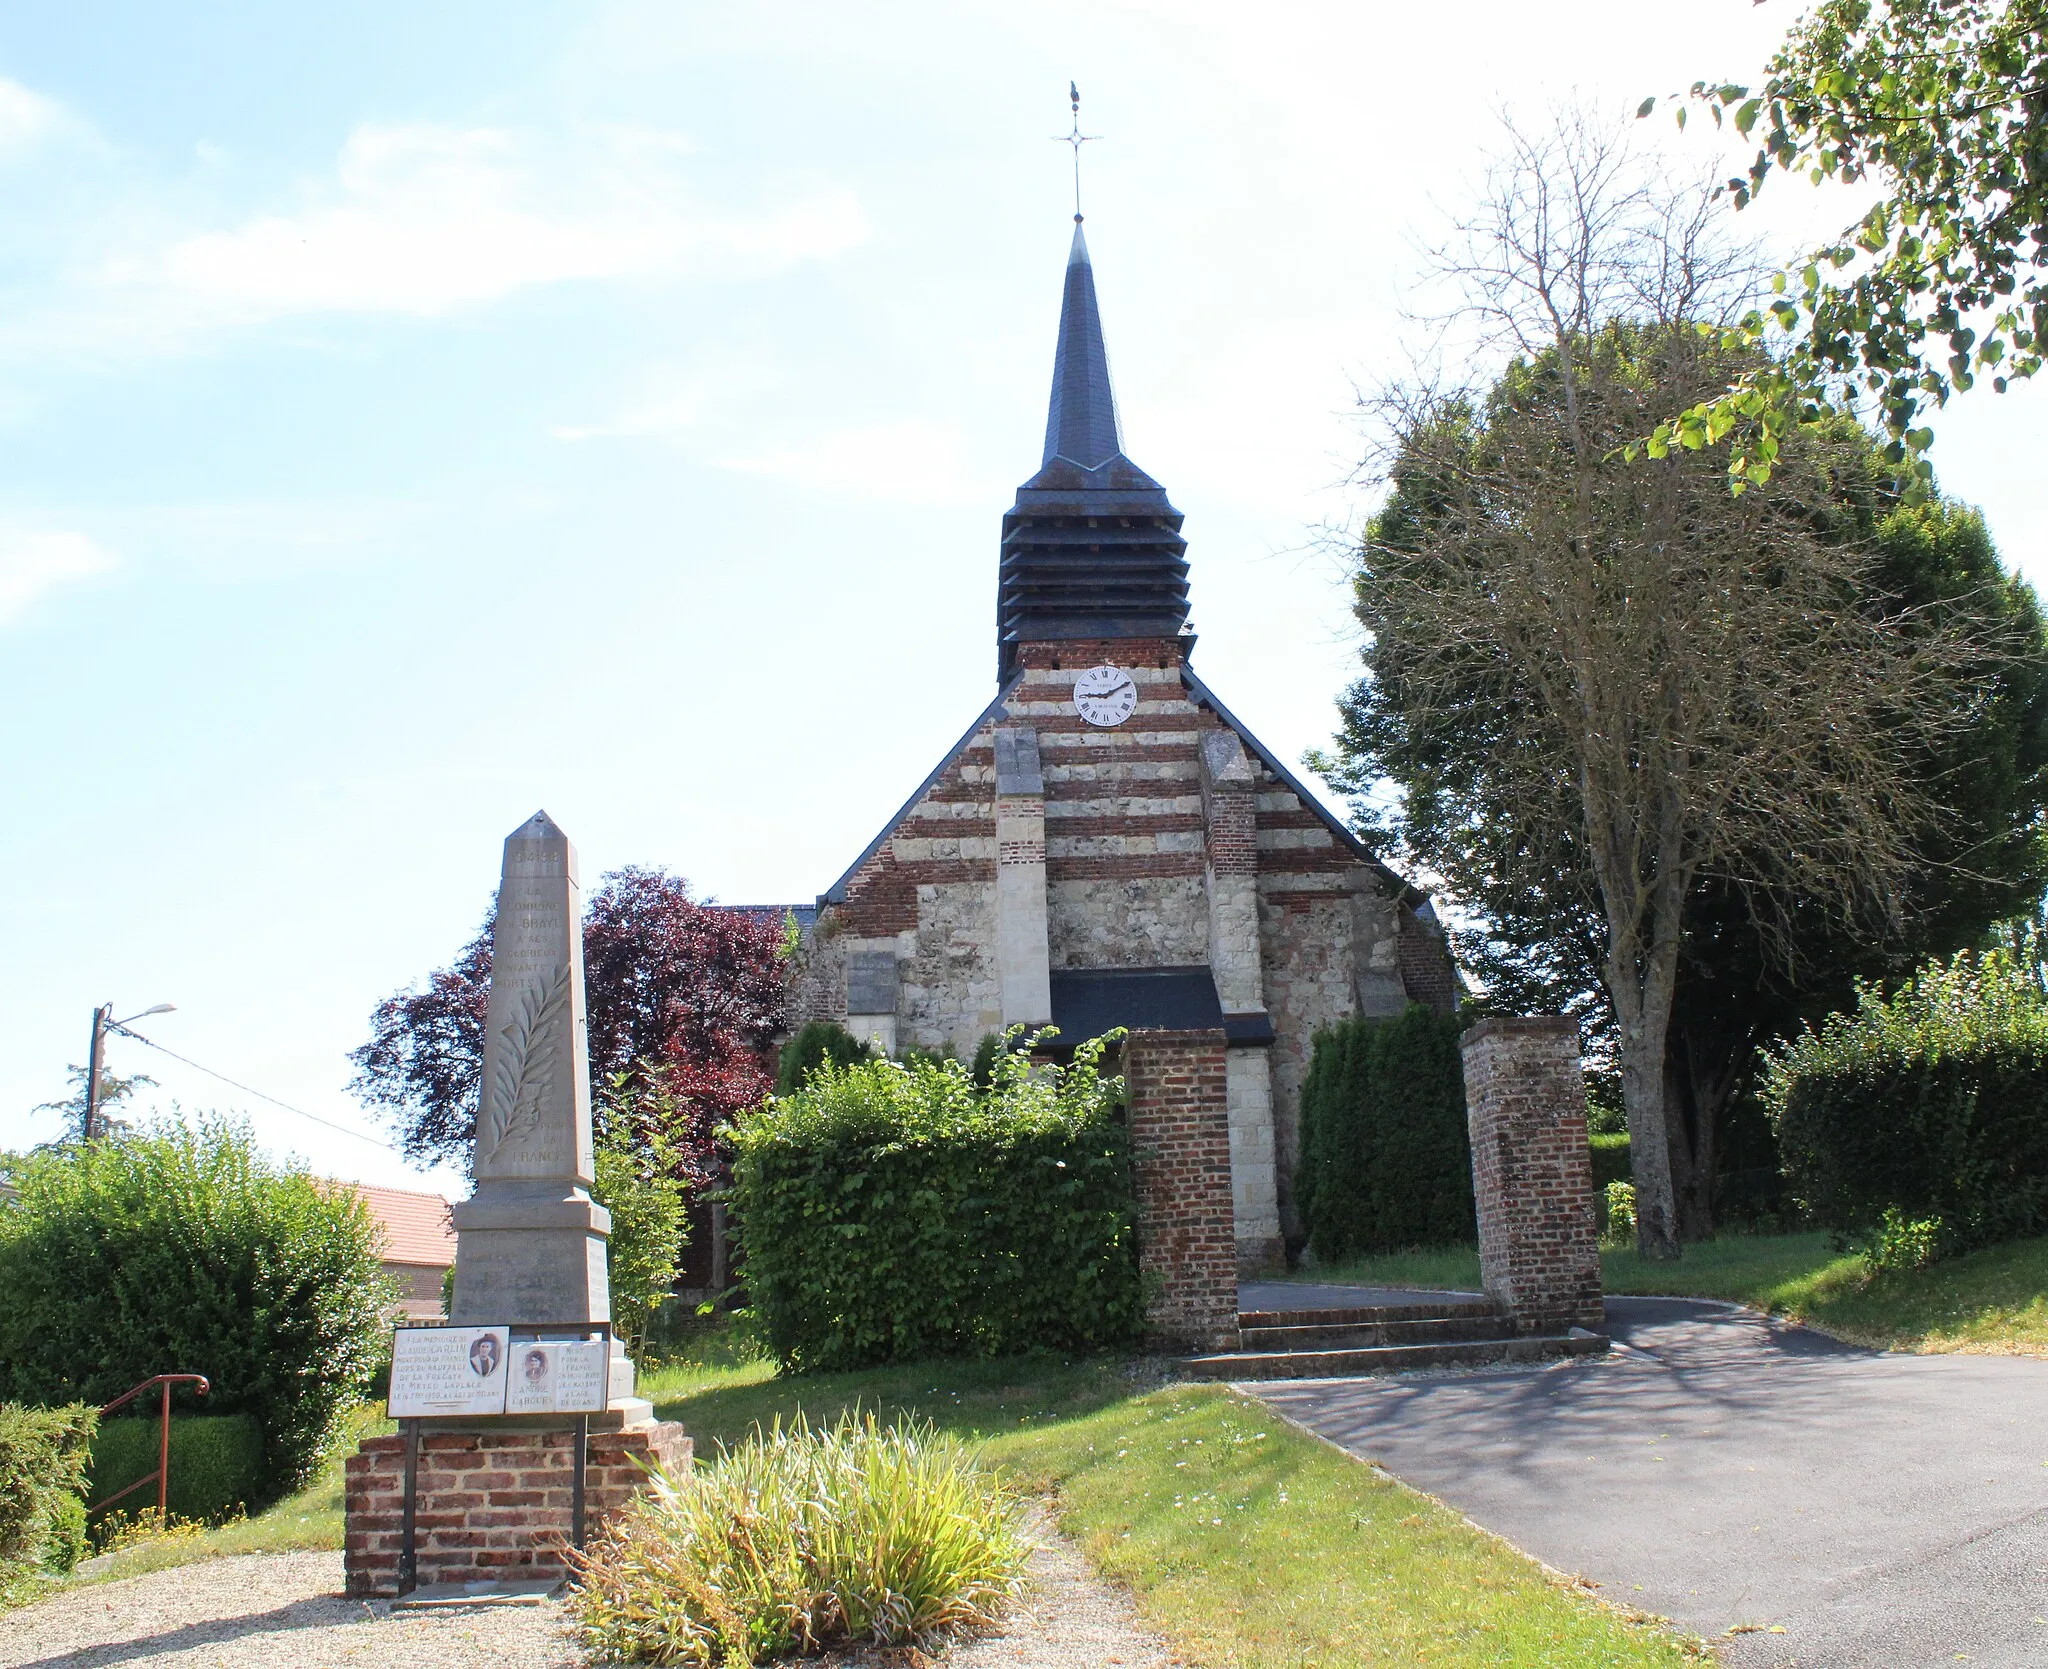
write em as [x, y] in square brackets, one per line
[1537, 948]
[1605, 674]
[636, 1182]
[114, 1089]
[1944, 103]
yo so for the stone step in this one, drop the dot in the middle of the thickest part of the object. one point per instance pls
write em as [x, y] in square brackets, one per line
[1437, 1310]
[1339, 1364]
[1363, 1334]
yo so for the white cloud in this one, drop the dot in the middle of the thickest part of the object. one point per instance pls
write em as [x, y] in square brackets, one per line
[34, 562]
[422, 219]
[26, 118]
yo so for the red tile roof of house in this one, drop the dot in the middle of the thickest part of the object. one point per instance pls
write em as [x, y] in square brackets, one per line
[416, 1226]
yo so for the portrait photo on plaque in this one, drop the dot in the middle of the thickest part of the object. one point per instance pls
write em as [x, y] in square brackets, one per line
[558, 1376]
[448, 1370]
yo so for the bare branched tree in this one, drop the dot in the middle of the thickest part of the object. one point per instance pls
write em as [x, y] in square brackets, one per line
[1579, 659]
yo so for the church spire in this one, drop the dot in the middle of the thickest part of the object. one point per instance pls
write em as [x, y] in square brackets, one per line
[1081, 426]
[1092, 547]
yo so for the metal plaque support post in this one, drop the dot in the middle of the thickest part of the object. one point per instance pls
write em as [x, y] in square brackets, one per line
[576, 1480]
[408, 1545]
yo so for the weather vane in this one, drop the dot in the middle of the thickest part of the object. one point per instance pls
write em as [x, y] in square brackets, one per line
[1076, 139]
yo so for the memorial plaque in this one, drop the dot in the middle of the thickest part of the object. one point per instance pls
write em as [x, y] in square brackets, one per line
[448, 1370]
[558, 1376]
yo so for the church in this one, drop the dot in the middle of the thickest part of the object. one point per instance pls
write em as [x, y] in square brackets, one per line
[1106, 844]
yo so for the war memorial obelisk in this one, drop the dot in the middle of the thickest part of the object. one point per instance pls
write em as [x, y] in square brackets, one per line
[530, 1241]
[491, 1498]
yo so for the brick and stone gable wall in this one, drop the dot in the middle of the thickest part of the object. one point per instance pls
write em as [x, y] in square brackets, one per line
[927, 897]
[1124, 831]
[1126, 860]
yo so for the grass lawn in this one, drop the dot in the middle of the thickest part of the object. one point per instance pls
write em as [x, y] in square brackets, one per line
[1994, 1301]
[1247, 1542]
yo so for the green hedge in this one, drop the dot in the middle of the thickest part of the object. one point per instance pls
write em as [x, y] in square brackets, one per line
[216, 1464]
[1610, 1160]
[1924, 1108]
[42, 1471]
[185, 1250]
[1386, 1159]
[890, 1211]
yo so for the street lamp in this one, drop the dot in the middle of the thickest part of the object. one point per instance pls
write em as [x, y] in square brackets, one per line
[103, 1021]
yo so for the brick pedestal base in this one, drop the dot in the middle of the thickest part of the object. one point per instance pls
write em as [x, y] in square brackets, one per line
[1180, 1157]
[493, 1504]
[1532, 1172]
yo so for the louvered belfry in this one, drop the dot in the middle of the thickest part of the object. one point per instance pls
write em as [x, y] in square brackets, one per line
[1092, 547]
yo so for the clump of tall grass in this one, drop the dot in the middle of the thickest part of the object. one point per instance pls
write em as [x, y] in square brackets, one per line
[800, 1540]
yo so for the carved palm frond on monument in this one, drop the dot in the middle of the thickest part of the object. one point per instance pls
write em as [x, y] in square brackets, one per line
[529, 1056]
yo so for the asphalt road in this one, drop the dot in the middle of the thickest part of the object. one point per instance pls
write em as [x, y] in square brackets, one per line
[1850, 1507]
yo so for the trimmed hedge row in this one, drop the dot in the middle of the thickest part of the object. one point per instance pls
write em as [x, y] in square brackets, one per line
[887, 1212]
[1386, 1157]
[1925, 1110]
[42, 1470]
[216, 1464]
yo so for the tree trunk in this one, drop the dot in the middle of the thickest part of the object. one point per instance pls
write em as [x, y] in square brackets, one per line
[1700, 1078]
[1689, 1126]
[1649, 1143]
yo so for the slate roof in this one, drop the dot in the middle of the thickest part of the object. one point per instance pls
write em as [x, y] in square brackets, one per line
[1092, 547]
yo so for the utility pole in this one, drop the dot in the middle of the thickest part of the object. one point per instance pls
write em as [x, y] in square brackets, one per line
[103, 1021]
[101, 1018]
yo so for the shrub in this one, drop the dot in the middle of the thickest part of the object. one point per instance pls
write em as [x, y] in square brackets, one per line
[216, 1464]
[890, 1211]
[1386, 1159]
[42, 1470]
[637, 1181]
[1922, 1117]
[183, 1250]
[1618, 1213]
[816, 1043]
[799, 1541]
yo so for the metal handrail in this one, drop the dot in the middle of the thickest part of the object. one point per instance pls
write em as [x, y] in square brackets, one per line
[161, 1477]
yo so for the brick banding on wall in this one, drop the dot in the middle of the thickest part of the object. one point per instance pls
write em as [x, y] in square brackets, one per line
[1180, 1143]
[1532, 1173]
[1078, 654]
[1124, 866]
[492, 1505]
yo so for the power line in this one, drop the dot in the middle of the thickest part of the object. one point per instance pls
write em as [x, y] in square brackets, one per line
[150, 1043]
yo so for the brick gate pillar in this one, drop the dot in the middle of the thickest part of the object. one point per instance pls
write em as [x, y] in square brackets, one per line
[1180, 1147]
[1532, 1172]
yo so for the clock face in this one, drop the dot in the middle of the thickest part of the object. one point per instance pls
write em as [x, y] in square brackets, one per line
[1105, 695]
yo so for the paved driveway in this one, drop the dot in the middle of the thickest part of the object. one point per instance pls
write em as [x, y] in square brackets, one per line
[1724, 1470]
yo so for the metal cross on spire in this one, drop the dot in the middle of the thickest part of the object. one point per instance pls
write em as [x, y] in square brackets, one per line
[1076, 139]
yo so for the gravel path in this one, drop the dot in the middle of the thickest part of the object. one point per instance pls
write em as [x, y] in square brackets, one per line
[283, 1611]
[268, 1611]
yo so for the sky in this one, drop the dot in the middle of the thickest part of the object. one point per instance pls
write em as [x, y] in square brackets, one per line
[416, 414]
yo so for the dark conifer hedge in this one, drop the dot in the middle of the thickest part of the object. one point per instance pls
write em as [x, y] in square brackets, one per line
[1385, 1158]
